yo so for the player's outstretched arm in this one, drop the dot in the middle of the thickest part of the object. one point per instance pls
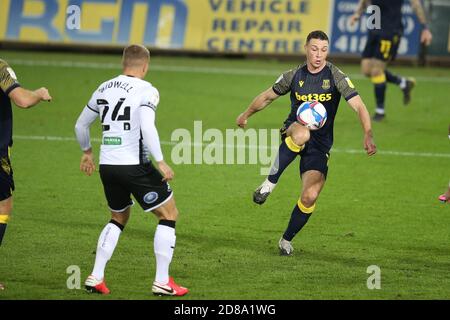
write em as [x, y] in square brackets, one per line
[358, 105]
[259, 103]
[24, 98]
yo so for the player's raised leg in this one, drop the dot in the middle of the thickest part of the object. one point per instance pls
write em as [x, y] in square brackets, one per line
[405, 84]
[107, 242]
[313, 182]
[164, 246]
[293, 141]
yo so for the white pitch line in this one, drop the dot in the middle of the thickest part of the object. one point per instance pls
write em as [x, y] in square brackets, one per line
[115, 66]
[165, 68]
[172, 143]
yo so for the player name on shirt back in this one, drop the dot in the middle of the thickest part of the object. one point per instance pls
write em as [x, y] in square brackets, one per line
[116, 84]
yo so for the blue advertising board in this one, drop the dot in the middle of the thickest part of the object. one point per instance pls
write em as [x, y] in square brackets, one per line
[249, 26]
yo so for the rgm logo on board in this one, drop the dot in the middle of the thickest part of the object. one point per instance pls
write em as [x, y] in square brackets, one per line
[155, 22]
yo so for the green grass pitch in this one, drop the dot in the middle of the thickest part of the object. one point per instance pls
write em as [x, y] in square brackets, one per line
[373, 211]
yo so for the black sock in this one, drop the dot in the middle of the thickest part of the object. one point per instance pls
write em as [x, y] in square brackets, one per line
[168, 223]
[2, 231]
[298, 221]
[286, 154]
[120, 226]
[392, 78]
[380, 92]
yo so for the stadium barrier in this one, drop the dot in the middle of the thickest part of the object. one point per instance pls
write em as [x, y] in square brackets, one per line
[256, 28]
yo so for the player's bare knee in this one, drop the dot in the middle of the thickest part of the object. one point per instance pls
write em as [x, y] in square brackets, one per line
[167, 212]
[121, 217]
[172, 214]
[168, 215]
[378, 68]
[309, 199]
[6, 207]
[376, 71]
[5, 210]
[300, 136]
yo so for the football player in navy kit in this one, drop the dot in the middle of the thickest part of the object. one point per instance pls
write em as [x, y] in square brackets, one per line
[316, 79]
[382, 45]
[11, 90]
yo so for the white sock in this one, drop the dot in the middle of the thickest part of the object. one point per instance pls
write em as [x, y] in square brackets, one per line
[379, 111]
[105, 247]
[403, 83]
[164, 245]
[267, 186]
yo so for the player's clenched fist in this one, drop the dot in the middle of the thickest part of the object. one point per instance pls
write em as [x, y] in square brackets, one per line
[43, 94]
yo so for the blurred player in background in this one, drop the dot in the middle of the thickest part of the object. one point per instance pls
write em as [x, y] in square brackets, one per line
[382, 45]
[446, 196]
[10, 89]
[316, 79]
[127, 106]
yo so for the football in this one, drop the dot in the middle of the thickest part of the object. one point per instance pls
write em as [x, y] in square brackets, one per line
[312, 114]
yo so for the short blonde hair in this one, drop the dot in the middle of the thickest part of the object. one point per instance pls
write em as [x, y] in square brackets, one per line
[135, 55]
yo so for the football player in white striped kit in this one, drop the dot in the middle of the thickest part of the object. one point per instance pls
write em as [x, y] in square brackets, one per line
[126, 106]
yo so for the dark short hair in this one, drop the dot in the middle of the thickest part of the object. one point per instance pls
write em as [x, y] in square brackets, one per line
[318, 34]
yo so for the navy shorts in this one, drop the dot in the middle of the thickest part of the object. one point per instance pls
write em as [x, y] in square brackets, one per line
[6, 176]
[311, 157]
[382, 47]
[143, 181]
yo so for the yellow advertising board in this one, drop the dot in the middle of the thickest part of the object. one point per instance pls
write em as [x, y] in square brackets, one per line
[256, 26]
[240, 26]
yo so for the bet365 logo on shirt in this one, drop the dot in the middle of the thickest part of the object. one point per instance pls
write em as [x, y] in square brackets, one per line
[314, 96]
